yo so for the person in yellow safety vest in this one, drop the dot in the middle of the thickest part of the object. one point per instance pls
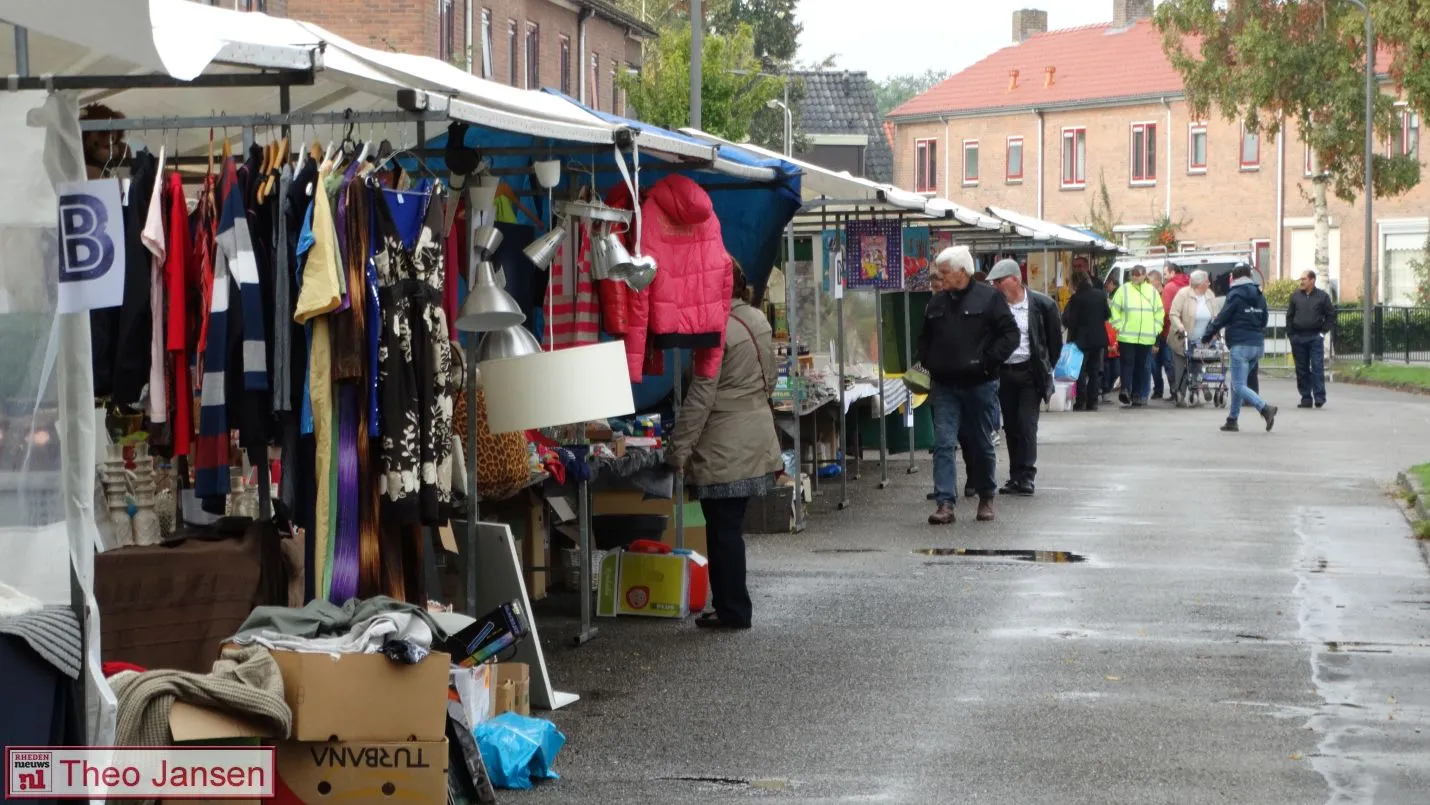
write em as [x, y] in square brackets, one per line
[1137, 315]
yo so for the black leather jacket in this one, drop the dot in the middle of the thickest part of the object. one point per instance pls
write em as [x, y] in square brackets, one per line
[967, 335]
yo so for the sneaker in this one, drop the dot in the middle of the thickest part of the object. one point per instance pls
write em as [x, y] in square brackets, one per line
[943, 516]
[1304, 404]
[985, 510]
[1231, 426]
[970, 492]
[1139, 403]
[1320, 403]
[932, 496]
[1123, 398]
[997, 438]
[1269, 414]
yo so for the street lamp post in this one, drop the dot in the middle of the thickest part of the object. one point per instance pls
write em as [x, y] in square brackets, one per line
[791, 295]
[1367, 298]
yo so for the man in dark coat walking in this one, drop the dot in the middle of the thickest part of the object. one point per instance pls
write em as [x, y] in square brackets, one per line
[1309, 316]
[1025, 380]
[968, 333]
[1086, 318]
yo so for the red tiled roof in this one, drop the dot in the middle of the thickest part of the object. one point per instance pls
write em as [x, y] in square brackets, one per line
[889, 133]
[1093, 62]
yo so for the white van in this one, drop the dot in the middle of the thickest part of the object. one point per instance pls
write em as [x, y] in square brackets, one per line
[1218, 264]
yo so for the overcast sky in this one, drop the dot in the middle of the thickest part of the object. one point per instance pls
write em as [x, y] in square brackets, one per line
[910, 36]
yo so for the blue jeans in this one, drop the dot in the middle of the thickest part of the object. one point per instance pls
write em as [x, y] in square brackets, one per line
[963, 412]
[1243, 358]
[1161, 366]
[1309, 353]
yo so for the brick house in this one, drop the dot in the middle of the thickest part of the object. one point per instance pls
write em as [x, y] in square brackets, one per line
[576, 46]
[1043, 124]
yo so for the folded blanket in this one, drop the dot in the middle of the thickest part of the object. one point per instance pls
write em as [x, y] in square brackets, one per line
[245, 682]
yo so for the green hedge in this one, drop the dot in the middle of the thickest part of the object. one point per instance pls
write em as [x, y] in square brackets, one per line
[1394, 331]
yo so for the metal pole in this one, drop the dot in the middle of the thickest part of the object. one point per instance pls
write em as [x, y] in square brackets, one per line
[1367, 299]
[843, 446]
[679, 496]
[883, 405]
[697, 56]
[473, 496]
[791, 323]
[908, 364]
[583, 502]
[22, 51]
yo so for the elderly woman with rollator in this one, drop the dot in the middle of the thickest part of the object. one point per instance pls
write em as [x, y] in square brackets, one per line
[1192, 312]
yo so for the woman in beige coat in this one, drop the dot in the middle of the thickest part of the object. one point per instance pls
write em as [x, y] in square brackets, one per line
[725, 444]
[1193, 309]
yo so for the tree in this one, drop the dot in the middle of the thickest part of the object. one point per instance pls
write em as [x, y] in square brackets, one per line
[1270, 63]
[733, 87]
[773, 21]
[895, 90]
[1100, 217]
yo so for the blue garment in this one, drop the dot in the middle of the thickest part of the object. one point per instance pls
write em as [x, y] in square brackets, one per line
[408, 209]
[1243, 317]
[1243, 359]
[1308, 351]
[374, 328]
[305, 243]
[1136, 370]
[967, 412]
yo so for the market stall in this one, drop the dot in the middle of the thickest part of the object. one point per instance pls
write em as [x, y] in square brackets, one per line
[199, 89]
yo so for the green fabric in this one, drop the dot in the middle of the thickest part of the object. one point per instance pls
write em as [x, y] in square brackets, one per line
[893, 344]
[1137, 313]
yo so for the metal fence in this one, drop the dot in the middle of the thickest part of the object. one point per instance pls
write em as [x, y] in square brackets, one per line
[1397, 334]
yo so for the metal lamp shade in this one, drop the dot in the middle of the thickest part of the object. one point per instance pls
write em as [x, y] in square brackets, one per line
[614, 257]
[484, 194]
[513, 342]
[641, 273]
[488, 307]
[543, 250]
[486, 241]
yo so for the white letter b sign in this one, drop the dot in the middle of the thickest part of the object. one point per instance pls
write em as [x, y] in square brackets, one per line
[91, 233]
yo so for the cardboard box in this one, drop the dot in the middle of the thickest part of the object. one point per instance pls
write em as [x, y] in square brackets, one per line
[653, 585]
[361, 772]
[536, 549]
[513, 679]
[365, 697]
[631, 502]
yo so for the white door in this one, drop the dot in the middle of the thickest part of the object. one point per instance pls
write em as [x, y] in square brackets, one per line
[1303, 254]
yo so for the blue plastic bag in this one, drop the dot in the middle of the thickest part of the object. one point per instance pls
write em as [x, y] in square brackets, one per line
[1069, 363]
[518, 749]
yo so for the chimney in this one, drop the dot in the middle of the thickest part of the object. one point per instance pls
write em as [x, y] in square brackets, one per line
[1049, 73]
[1028, 21]
[1012, 80]
[1126, 12]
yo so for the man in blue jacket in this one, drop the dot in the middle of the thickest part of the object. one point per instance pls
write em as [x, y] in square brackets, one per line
[1244, 319]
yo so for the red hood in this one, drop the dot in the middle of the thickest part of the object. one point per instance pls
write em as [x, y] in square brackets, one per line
[682, 199]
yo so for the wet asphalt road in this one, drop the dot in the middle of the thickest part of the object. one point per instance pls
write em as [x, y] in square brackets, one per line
[1252, 627]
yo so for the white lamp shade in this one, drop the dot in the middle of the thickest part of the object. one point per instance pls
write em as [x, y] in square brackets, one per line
[548, 172]
[558, 388]
[484, 193]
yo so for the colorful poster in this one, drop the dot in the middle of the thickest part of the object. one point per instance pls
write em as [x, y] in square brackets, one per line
[833, 240]
[875, 257]
[918, 258]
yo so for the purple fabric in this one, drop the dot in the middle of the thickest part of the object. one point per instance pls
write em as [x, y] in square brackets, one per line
[347, 557]
[374, 315]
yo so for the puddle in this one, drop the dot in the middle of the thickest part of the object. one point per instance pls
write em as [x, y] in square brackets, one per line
[1049, 557]
[847, 550]
[731, 782]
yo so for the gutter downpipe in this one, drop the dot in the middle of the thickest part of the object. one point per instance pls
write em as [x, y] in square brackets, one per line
[581, 18]
[1280, 227]
[1041, 125]
[1170, 172]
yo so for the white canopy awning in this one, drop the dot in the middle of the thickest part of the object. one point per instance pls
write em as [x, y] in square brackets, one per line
[829, 190]
[1046, 230]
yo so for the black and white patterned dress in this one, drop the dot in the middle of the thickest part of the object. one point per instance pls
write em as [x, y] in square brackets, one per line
[414, 375]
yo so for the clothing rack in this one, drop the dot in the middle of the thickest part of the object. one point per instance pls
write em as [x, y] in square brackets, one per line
[259, 120]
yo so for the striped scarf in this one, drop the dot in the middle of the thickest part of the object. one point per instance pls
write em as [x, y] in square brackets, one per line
[236, 248]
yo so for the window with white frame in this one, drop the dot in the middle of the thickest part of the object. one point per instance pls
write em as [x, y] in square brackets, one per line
[1197, 148]
[1308, 161]
[926, 166]
[1013, 172]
[446, 29]
[533, 56]
[1074, 158]
[1144, 153]
[513, 67]
[1405, 139]
[595, 81]
[1402, 242]
[565, 64]
[970, 163]
[1250, 149]
[486, 43]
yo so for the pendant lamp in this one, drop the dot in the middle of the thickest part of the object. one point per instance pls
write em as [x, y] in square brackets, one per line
[543, 250]
[512, 342]
[488, 307]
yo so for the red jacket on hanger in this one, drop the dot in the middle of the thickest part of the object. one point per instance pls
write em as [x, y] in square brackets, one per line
[688, 304]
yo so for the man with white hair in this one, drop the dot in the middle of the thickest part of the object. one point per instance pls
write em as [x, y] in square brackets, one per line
[968, 333]
[1026, 378]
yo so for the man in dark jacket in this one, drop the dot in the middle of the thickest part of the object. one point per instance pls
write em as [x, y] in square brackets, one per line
[1244, 319]
[1025, 381]
[1086, 318]
[968, 334]
[1309, 316]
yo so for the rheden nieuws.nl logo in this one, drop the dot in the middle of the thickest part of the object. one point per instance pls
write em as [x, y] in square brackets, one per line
[31, 772]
